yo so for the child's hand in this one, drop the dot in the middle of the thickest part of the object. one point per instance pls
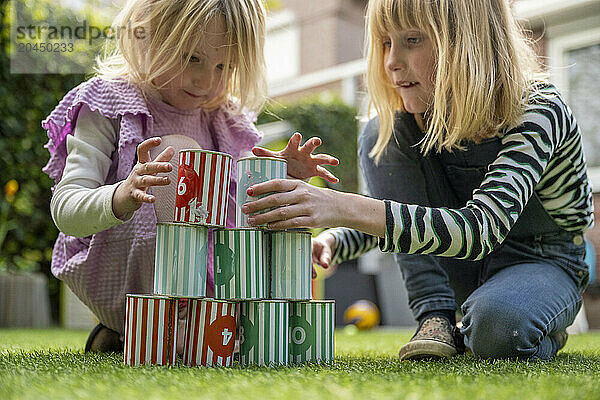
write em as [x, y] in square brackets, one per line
[131, 193]
[293, 204]
[323, 247]
[301, 163]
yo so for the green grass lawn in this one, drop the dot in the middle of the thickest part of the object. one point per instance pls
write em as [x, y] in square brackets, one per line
[50, 364]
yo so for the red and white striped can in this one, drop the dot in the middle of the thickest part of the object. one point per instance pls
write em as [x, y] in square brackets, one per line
[150, 330]
[202, 187]
[210, 333]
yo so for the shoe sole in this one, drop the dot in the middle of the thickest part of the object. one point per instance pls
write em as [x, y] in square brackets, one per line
[103, 340]
[426, 349]
[91, 337]
[561, 339]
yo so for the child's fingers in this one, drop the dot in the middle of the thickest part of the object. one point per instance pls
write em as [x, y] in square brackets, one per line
[314, 272]
[326, 159]
[262, 152]
[166, 155]
[294, 141]
[278, 202]
[310, 145]
[274, 185]
[320, 254]
[151, 168]
[293, 223]
[145, 181]
[325, 174]
[143, 149]
[317, 248]
[142, 196]
[325, 258]
[281, 216]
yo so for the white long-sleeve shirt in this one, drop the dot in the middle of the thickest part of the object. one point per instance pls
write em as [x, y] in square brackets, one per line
[82, 204]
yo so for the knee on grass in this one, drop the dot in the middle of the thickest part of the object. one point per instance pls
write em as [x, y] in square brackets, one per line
[497, 330]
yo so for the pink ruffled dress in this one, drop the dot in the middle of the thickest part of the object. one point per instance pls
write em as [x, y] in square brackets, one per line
[101, 269]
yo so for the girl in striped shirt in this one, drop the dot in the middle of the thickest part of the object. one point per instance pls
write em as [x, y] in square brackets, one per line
[477, 179]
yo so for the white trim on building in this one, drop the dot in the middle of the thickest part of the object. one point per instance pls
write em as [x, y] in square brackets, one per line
[544, 12]
[319, 78]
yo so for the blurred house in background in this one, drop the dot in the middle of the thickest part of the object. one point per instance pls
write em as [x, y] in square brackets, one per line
[316, 46]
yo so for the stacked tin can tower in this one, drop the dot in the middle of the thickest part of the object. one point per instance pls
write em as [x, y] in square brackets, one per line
[262, 279]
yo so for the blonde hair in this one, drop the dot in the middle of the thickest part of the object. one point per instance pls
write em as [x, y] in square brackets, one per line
[485, 68]
[176, 28]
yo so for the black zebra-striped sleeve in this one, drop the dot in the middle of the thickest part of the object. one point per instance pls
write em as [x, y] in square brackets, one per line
[543, 154]
[350, 244]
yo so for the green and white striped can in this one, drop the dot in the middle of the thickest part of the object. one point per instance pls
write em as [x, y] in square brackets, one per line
[181, 260]
[290, 265]
[240, 264]
[253, 170]
[312, 325]
[264, 337]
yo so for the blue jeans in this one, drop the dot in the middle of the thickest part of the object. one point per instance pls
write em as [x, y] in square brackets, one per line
[515, 299]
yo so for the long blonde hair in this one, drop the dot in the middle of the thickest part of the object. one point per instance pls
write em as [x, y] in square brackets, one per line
[152, 37]
[485, 68]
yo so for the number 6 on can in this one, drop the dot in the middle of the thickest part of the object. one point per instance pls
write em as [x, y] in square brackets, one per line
[202, 187]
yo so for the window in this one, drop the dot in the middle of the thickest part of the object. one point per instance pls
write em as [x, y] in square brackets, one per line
[574, 55]
[282, 46]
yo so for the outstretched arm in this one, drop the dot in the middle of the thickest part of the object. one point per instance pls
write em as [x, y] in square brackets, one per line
[301, 163]
[532, 154]
[301, 205]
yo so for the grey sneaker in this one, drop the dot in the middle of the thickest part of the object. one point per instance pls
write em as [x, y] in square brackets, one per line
[435, 338]
[561, 338]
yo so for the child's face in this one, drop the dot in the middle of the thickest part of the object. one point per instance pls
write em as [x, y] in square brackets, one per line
[202, 80]
[410, 64]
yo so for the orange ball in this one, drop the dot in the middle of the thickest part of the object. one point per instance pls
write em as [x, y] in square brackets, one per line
[364, 314]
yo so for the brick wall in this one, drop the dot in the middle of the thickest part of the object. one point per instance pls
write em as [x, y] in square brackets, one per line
[331, 31]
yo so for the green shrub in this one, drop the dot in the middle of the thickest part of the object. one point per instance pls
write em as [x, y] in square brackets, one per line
[25, 100]
[334, 122]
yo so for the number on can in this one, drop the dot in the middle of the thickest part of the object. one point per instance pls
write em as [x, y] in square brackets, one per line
[226, 336]
[301, 338]
[181, 186]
